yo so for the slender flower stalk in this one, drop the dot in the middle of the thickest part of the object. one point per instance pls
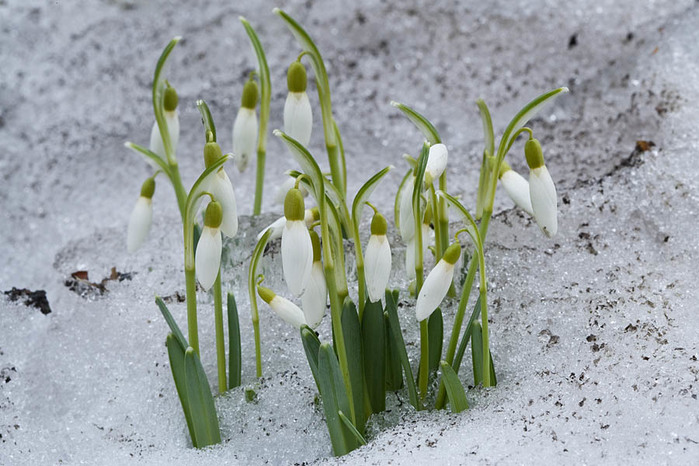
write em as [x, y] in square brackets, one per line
[541, 189]
[315, 298]
[516, 187]
[298, 116]
[172, 121]
[208, 254]
[377, 259]
[141, 217]
[297, 249]
[284, 308]
[245, 126]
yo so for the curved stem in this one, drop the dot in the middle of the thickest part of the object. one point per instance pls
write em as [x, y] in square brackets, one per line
[220, 345]
[259, 181]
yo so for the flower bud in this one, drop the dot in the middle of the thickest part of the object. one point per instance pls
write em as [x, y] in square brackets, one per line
[298, 115]
[542, 191]
[170, 100]
[436, 163]
[284, 308]
[250, 92]
[141, 217]
[377, 259]
[437, 283]
[208, 254]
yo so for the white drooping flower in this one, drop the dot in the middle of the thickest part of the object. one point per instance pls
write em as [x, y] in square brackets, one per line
[297, 250]
[298, 116]
[172, 121]
[407, 218]
[315, 297]
[542, 191]
[277, 227]
[437, 283]
[141, 217]
[436, 163]
[245, 127]
[516, 187]
[221, 188]
[284, 308]
[377, 259]
[208, 255]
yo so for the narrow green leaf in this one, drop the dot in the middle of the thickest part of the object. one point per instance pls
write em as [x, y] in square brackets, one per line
[493, 379]
[308, 164]
[399, 195]
[148, 155]
[177, 333]
[394, 371]
[467, 335]
[345, 420]
[488, 133]
[392, 311]
[206, 118]
[234, 349]
[374, 336]
[201, 403]
[455, 391]
[469, 222]
[341, 148]
[175, 352]
[311, 346]
[158, 95]
[422, 123]
[199, 186]
[477, 352]
[355, 361]
[363, 195]
[435, 328]
[265, 84]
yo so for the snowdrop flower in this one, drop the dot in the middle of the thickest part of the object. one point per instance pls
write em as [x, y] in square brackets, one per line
[436, 163]
[516, 187]
[297, 250]
[541, 189]
[284, 308]
[245, 126]
[315, 298]
[221, 188]
[298, 116]
[141, 217]
[437, 283]
[173, 124]
[377, 259]
[208, 254]
[277, 227]
[407, 218]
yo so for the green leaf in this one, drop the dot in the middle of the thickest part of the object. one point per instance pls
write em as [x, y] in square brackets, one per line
[399, 194]
[234, 349]
[311, 346]
[422, 123]
[364, 193]
[455, 391]
[522, 118]
[175, 352]
[355, 361]
[392, 311]
[177, 333]
[308, 164]
[252, 275]
[477, 352]
[265, 84]
[488, 133]
[467, 335]
[206, 118]
[471, 227]
[201, 403]
[394, 371]
[158, 95]
[435, 329]
[148, 155]
[345, 420]
[374, 336]
[341, 148]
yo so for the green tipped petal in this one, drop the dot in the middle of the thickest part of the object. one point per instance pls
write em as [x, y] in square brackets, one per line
[148, 188]
[214, 215]
[296, 78]
[451, 255]
[534, 154]
[379, 226]
[294, 208]
[170, 99]
[212, 152]
[266, 294]
[250, 93]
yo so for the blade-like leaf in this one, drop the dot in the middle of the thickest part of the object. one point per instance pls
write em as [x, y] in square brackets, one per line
[435, 328]
[399, 194]
[175, 352]
[150, 156]
[374, 347]
[234, 349]
[201, 403]
[472, 228]
[158, 95]
[422, 123]
[348, 424]
[394, 371]
[206, 119]
[355, 361]
[364, 193]
[467, 336]
[308, 164]
[457, 395]
[488, 134]
[311, 345]
[265, 84]
[392, 311]
[477, 352]
[177, 333]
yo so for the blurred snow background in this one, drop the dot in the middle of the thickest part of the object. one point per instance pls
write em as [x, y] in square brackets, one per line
[594, 332]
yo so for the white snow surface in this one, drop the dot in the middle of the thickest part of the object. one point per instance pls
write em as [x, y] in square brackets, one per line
[594, 332]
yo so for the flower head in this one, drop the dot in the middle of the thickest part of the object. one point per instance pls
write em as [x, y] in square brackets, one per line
[437, 283]
[141, 217]
[315, 297]
[298, 116]
[245, 126]
[377, 259]
[516, 187]
[297, 250]
[221, 188]
[284, 308]
[436, 163]
[542, 191]
[172, 121]
[208, 254]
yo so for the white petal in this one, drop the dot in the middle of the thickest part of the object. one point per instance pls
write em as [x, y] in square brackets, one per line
[139, 223]
[407, 219]
[298, 117]
[410, 259]
[377, 266]
[222, 189]
[315, 297]
[308, 218]
[208, 256]
[518, 189]
[434, 290]
[156, 142]
[297, 255]
[288, 311]
[173, 126]
[544, 202]
[277, 227]
[436, 161]
[244, 136]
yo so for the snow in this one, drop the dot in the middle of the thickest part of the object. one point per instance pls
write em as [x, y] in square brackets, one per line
[593, 331]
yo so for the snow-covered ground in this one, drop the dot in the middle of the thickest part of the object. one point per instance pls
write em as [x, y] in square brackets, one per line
[594, 332]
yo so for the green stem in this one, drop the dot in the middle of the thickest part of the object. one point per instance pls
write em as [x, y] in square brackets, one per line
[191, 293]
[423, 376]
[438, 250]
[180, 192]
[259, 181]
[443, 216]
[336, 171]
[220, 344]
[486, 343]
[258, 348]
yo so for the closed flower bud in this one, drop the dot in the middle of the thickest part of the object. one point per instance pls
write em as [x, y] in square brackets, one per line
[208, 254]
[516, 187]
[245, 127]
[297, 250]
[315, 296]
[436, 163]
[288, 311]
[377, 259]
[437, 283]
[298, 116]
[141, 217]
[542, 191]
